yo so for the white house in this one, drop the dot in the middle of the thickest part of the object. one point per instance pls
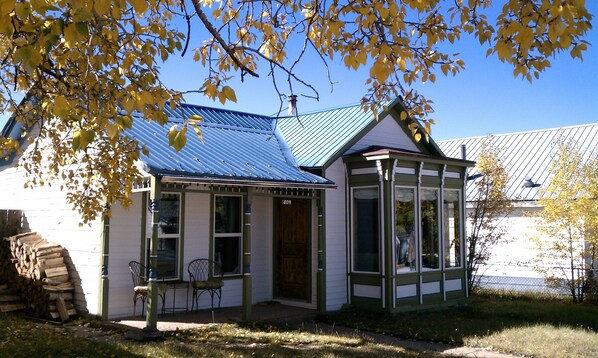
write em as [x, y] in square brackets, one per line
[527, 156]
[318, 211]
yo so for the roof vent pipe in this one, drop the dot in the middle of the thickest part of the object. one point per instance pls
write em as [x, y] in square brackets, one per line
[463, 152]
[292, 104]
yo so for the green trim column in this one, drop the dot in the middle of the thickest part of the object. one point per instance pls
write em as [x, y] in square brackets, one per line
[321, 276]
[151, 321]
[247, 296]
[104, 280]
[387, 200]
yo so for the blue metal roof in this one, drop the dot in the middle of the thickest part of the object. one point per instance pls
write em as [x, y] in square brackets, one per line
[237, 147]
[221, 117]
[526, 154]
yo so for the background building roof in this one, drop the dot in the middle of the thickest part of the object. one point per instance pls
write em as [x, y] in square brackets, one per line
[526, 154]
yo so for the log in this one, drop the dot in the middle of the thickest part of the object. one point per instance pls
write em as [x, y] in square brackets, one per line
[37, 273]
[9, 298]
[64, 315]
[9, 307]
[56, 272]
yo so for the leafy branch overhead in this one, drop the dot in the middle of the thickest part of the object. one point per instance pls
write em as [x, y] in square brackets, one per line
[90, 69]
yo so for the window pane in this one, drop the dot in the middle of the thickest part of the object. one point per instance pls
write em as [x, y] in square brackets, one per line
[429, 214]
[366, 238]
[452, 229]
[227, 214]
[169, 214]
[404, 229]
[227, 253]
[167, 249]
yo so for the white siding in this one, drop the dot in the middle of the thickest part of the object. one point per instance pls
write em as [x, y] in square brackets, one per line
[387, 133]
[124, 246]
[515, 255]
[46, 212]
[197, 228]
[261, 248]
[336, 242]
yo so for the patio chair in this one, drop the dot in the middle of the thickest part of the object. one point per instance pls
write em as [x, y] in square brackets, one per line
[205, 275]
[140, 288]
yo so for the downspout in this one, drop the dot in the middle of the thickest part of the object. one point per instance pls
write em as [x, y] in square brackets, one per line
[382, 232]
[388, 243]
[348, 232]
[104, 280]
[418, 227]
[152, 304]
[247, 293]
[441, 232]
[321, 275]
[464, 221]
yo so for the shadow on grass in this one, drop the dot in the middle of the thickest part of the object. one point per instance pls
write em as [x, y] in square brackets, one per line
[484, 316]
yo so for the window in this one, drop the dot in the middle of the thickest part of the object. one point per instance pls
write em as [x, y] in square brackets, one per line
[228, 233]
[429, 225]
[405, 246]
[452, 229]
[168, 236]
[366, 241]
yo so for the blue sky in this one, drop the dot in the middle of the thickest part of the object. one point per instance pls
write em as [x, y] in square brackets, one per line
[483, 99]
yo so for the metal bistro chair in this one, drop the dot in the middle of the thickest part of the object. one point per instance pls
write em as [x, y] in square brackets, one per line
[205, 275]
[140, 288]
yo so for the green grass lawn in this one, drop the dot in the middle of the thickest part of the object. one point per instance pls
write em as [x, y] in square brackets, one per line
[512, 325]
[20, 337]
[532, 327]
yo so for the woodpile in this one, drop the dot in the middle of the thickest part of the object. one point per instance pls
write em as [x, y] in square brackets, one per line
[36, 269]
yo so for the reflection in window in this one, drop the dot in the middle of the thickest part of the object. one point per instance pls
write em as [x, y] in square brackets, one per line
[429, 225]
[168, 236]
[228, 233]
[452, 230]
[405, 229]
[366, 245]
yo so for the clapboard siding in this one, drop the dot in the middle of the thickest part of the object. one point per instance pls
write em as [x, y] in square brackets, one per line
[124, 246]
[261, 248]
[45, 211]
[336, 247]
[387, 133]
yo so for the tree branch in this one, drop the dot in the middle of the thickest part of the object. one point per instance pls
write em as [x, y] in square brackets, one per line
[204, 19]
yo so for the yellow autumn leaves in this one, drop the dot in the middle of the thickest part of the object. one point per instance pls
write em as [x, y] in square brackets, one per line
[91, 67]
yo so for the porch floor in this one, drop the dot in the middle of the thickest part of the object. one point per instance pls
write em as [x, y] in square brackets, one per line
[263, 312]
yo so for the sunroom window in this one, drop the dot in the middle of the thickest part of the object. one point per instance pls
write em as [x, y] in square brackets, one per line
[430, 254]
[452, 229]
[228, 233]
[405, 242]
[366, 228]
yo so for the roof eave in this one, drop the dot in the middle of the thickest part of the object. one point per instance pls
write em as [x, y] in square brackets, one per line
[189, 179]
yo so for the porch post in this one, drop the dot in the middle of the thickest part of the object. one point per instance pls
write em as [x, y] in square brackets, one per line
[321, 277]
[389, 269]
[247, 299]
[151, 321]
[104, 280]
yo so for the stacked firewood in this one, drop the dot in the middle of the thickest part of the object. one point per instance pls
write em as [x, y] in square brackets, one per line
[37, 270]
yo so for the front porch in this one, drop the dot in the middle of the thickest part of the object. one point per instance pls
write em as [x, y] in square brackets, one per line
[262, 312]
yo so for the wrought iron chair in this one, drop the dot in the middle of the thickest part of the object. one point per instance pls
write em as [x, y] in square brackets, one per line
[140, 288]
[205, 275]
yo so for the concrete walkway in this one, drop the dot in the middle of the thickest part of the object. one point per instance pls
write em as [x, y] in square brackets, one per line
[296, 318]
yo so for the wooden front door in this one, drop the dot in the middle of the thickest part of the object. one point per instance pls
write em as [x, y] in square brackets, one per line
[292, 240]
